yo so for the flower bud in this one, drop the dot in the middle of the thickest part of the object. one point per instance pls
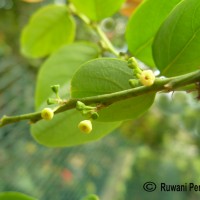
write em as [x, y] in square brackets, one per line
[55, 88]
[94, 115]
[85, 126]
[134, 83]
[147, 77]
[132, 63]
[51, 101]
[80, 106]
[47, 114]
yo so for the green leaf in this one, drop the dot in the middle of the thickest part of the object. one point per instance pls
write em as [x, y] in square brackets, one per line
[60, 66]
[48, 29]
[108, 75]
[14, 196]
[177, 45]
[143, 25]
[91, 197]
[97, 10]
[58, 69]
[63, 130]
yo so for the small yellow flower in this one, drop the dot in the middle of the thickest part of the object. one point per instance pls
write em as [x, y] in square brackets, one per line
[47, 114]
[85, 126]
[147, 77]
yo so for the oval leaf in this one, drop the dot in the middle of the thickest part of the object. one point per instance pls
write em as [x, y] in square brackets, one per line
[58, 69]
[143, 25]
[97, 10]
[108, 75]
[14, 196]
[177, 51]
[48, 29]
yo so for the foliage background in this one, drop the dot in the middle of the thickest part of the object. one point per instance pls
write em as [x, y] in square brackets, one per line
[161, 146]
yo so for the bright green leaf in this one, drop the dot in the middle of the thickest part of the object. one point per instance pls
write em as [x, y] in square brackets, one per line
[58, 69]
[143, 25]
[91, 197]
[108, 75]
[177, 45]
[48, 29]
[97, 9]
[14, 196]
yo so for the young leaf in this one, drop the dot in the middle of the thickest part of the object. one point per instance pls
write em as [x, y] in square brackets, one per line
[14, 196]
[143, 25]
[48, 29]
[97, 10]
[108, 75]
[63, 130]
[177, 45]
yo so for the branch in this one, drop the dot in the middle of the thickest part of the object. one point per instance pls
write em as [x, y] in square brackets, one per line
[104, 39]
[161, 84]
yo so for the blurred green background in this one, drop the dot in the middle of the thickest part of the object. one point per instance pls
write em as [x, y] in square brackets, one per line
[161, 146]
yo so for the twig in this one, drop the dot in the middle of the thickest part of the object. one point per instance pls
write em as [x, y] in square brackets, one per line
[104, 39]
[161, 84]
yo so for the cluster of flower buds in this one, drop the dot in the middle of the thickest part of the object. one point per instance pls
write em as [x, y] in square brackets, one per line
[87, 111]
[144, 77]
[57, 100]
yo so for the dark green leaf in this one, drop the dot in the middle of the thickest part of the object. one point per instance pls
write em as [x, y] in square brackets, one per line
[14, 196]
[58, 69]
[48, 29]
[177, 45]
[143, 25]
[96, 9]
[108, 75]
